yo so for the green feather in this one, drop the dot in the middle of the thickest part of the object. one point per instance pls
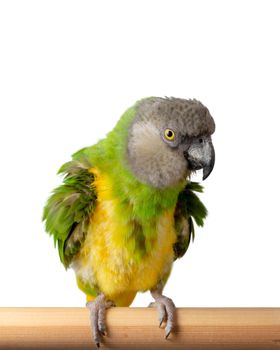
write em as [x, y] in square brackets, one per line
[190, 203]
[189, 207]
[67, 210]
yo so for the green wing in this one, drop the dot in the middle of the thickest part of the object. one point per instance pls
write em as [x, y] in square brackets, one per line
[67, 211]
[188, 208]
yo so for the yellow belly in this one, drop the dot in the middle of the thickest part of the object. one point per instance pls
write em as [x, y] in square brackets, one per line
[110, 257]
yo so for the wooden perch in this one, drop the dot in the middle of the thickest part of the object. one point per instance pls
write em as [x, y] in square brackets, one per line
[137, 328]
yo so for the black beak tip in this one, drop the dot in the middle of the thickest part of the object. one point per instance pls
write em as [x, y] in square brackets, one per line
[204, 177]
[207, 171]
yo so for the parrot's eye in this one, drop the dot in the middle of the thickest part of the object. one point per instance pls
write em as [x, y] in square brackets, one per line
[169, 134]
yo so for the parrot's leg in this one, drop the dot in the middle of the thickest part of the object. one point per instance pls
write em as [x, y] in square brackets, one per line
[166, 309]
[97, 310]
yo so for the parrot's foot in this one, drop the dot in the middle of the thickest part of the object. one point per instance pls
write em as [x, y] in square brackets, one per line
[166, 309]
[97, 310]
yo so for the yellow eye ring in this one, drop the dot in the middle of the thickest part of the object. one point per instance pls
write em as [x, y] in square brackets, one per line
[169, 134]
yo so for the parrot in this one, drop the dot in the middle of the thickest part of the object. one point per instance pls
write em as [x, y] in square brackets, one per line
[126, 208]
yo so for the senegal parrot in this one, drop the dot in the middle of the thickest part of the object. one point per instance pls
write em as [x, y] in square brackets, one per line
[126, 208]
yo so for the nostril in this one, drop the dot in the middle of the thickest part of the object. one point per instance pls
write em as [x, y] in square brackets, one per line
[200, 140]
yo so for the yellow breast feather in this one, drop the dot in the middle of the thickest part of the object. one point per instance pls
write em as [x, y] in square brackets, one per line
[109, 257]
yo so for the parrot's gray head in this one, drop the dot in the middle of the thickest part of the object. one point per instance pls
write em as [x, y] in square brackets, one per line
[168, 139]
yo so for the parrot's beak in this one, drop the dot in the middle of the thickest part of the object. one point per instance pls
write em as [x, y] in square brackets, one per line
[201, 155]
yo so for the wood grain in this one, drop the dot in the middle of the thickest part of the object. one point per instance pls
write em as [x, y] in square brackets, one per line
[137, 328]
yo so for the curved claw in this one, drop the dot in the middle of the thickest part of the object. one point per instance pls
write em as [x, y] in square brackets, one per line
[97, 310]
[166, 309]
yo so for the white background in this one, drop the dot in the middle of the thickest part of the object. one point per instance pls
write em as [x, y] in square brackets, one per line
[68, 70]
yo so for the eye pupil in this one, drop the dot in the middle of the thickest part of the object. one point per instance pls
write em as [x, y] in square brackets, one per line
[200, 140]
[169, 133]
